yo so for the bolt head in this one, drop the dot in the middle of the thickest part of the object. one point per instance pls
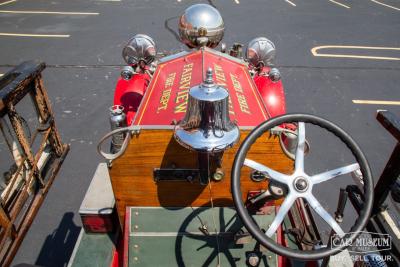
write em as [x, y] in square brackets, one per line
[253, 259]
[300, 184]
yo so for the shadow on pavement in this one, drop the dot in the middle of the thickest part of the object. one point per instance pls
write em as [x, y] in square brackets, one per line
[58, 247]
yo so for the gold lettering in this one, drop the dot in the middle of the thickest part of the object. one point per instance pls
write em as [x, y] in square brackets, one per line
[181, 107]
[185, 79]
[166, 93]
[244, 107]
[184, 84]
[182, 98]
[187, 68]
[170, 80]
[220, 75]
[164, 100]
[236, 84]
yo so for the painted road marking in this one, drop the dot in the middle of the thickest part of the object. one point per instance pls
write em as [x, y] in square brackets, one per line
[386, 5]
[337, 3]
[315, 53]
[47, 12]
[35, 35]
[7, 2]
[376, 102]
[290, 2]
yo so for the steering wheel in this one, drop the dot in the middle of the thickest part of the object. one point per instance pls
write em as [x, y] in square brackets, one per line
[300, 185]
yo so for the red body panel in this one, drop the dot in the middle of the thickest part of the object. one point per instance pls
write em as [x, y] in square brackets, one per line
[272, 93]
[251, 102]
[129, 94]
[167, 95]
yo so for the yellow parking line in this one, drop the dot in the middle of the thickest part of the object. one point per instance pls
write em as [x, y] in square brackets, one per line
[7, 2]
[35, 35]
[316, 54]
[376, 102]
[290, 2]
[337, 3]
[386, 5]
[47, 12]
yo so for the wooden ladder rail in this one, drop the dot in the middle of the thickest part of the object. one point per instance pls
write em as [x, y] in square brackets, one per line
[19, 208]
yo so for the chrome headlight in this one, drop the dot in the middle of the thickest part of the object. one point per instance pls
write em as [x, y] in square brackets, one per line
[201, 25]
[261, 51]
[139, 47]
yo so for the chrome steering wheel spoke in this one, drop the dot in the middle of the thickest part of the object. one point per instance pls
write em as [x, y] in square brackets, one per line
[301, 144]
[283, 210]
[325, 176]
[317, 207]
[274, 175]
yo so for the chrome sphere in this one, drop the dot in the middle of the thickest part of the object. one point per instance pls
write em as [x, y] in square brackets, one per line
[139, 47]
[261, 51]
[201, 25]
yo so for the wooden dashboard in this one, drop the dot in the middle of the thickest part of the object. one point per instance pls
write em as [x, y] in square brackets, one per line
[132, 175]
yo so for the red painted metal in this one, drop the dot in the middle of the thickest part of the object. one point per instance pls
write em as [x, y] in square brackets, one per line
[118, 251]
[115, 260]
[281, 239]
[97, 223]
[169, 87]
[271, 92]
[129, 94]
[167, 95]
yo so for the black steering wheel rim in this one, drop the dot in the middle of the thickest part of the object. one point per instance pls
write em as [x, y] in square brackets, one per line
[247, 220]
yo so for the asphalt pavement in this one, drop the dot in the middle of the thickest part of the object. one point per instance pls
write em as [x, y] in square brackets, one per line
[330, 53]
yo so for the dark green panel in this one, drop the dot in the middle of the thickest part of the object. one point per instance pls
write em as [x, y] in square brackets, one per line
[150, 219]
[95, 250]
[171, 237]
[191, 251]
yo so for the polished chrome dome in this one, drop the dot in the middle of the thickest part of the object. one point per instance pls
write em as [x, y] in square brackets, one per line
[261, 51]
[139, 47]
[201, 25]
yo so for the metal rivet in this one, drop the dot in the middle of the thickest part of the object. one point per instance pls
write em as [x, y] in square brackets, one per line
[218, 175]
[136, 226]
[136, 246]
[269, 257]
[135, 258]
[136, 213]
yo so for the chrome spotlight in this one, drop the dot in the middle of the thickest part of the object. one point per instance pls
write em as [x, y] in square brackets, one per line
[139, 48]
[201, 25]
[261, 51]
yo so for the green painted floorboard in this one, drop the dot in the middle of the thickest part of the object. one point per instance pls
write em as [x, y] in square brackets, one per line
[95, 250]
[171, 237]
